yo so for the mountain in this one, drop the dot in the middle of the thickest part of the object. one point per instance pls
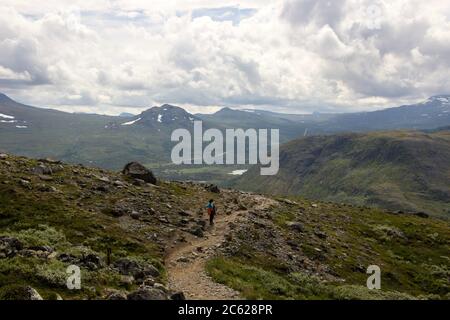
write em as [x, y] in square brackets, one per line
[126, 115]
[138, 241]
[401, 170]
[164, 117]
[432, 113]
[107, 141]
[103, 141]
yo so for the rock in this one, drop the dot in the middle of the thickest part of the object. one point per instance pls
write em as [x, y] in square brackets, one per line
[184, 213]
[116, 296]
[296, 226]
[287, 201]
[138, 171]
[160, 286]
[126, 280]
[314, 205]
[9, 246]
[319, 234]
[137, 270]
[147, 293]
[50, 161]
[92, 261]
[196, 231]
[45, 178]
[24, 183]
[45, 188]
[150, 282]
[102, 188]
[3, 156]
[43, 170]
[67, 258]
[183, 260]
[119, 183]
[42, 248]
[135, 215]
[178, 296]
[32, 294]
[422, 215]
[212, 188]
[139, 182]
[104, 179]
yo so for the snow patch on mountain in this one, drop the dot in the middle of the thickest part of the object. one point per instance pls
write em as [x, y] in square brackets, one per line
[129, 123]
[5, 116]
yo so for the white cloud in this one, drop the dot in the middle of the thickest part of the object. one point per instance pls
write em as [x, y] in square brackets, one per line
[290, 55]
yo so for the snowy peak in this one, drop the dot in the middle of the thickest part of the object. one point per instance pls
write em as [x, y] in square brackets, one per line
[442, 99]
[165, 115]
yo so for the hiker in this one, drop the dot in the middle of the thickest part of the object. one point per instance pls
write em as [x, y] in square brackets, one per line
[211, 211]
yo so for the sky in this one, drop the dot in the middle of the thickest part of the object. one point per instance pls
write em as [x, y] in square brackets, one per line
[297, 56]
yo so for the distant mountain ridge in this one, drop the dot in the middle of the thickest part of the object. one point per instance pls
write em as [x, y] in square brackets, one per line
[400, 170]
[108, 141]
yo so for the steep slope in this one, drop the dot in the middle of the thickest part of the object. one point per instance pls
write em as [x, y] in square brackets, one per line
[406, 171]
[131, 240]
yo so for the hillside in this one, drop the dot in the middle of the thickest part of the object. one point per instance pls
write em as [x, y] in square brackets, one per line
[136, 240]
[407, 171]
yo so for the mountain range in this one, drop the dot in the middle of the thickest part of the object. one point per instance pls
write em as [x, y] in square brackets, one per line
[108, 141]
[398, 170]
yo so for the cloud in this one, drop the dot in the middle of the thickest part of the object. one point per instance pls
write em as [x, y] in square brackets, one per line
[286, 55]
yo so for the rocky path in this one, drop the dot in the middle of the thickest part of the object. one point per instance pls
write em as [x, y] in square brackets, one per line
[186, 262]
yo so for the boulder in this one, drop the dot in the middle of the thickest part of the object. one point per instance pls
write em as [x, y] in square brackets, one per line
[147, 293]
[178, 296]
[296, 226]
[9, 246]
[137, 270]
[116, 296]
[212, 188]
[19, 292]
[138, 171]
[43, 170]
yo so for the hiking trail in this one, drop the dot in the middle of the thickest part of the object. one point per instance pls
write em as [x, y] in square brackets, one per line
[186, 262]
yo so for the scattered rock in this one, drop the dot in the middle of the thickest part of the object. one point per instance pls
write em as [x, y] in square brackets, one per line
[67, 258]
[104, 179]
[117, 296]
[139, 271]
[196, 231]
[119, 183]
[92, 261]
[9, 246]
[212, 188]
[147, 293]
[32, 294]
[135, 215]
[45, 178]
[42, 170]
[178, 296]
[296, 226]
[24, 183]
[184, 213]
[422, 215]
[50, 161]
[320, 234]
[138, 171]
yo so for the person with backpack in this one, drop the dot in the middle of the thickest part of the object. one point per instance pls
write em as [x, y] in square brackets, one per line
[211, 211]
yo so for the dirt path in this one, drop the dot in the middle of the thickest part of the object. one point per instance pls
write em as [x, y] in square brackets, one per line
[186, 263]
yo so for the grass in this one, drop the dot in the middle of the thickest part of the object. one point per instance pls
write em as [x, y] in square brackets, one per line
[412, 253]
